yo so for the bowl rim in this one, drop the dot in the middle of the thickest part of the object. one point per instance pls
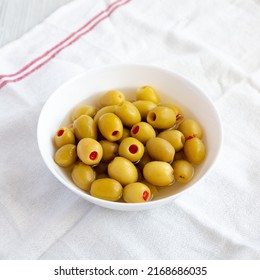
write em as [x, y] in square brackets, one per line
[122, 205]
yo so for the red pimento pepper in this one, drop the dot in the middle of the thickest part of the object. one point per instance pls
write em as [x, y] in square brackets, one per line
[136, 129]
[60, 132]
[145, 195]
[93, 155]
[133, 149]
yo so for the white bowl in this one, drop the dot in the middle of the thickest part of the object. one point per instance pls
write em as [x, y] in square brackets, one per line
[172, 88]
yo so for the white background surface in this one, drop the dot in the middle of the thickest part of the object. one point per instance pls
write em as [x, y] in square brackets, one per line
[19, 16]
[216, 45]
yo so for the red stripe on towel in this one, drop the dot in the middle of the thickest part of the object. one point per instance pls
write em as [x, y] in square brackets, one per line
[59, 44]
[91, 24]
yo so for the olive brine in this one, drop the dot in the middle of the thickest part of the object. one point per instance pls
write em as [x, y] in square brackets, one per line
[125, 151]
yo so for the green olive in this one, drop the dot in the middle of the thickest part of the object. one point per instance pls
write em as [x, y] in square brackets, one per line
[112, 97]
[158, 173]
[160, 149]
[85, 127]
[110, 150]
[161, 117]
[128, 113]
[110, 126]
[177, 111]
[147, 93]
[136, 193]
[194, 150]
[83, 110]
[83, 175]
[190, 128]
[64, 136]
[143, 131]
[107, 189]
[131, 148]
[89, 151]
[183, 171]
[122, 170]
[175, 137]
[104, 110]
[144, 106]
[66, 155]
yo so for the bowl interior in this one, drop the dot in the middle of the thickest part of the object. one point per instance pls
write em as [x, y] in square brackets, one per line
[87, 88]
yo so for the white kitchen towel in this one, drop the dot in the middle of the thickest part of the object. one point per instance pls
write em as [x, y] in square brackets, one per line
[216, 45]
